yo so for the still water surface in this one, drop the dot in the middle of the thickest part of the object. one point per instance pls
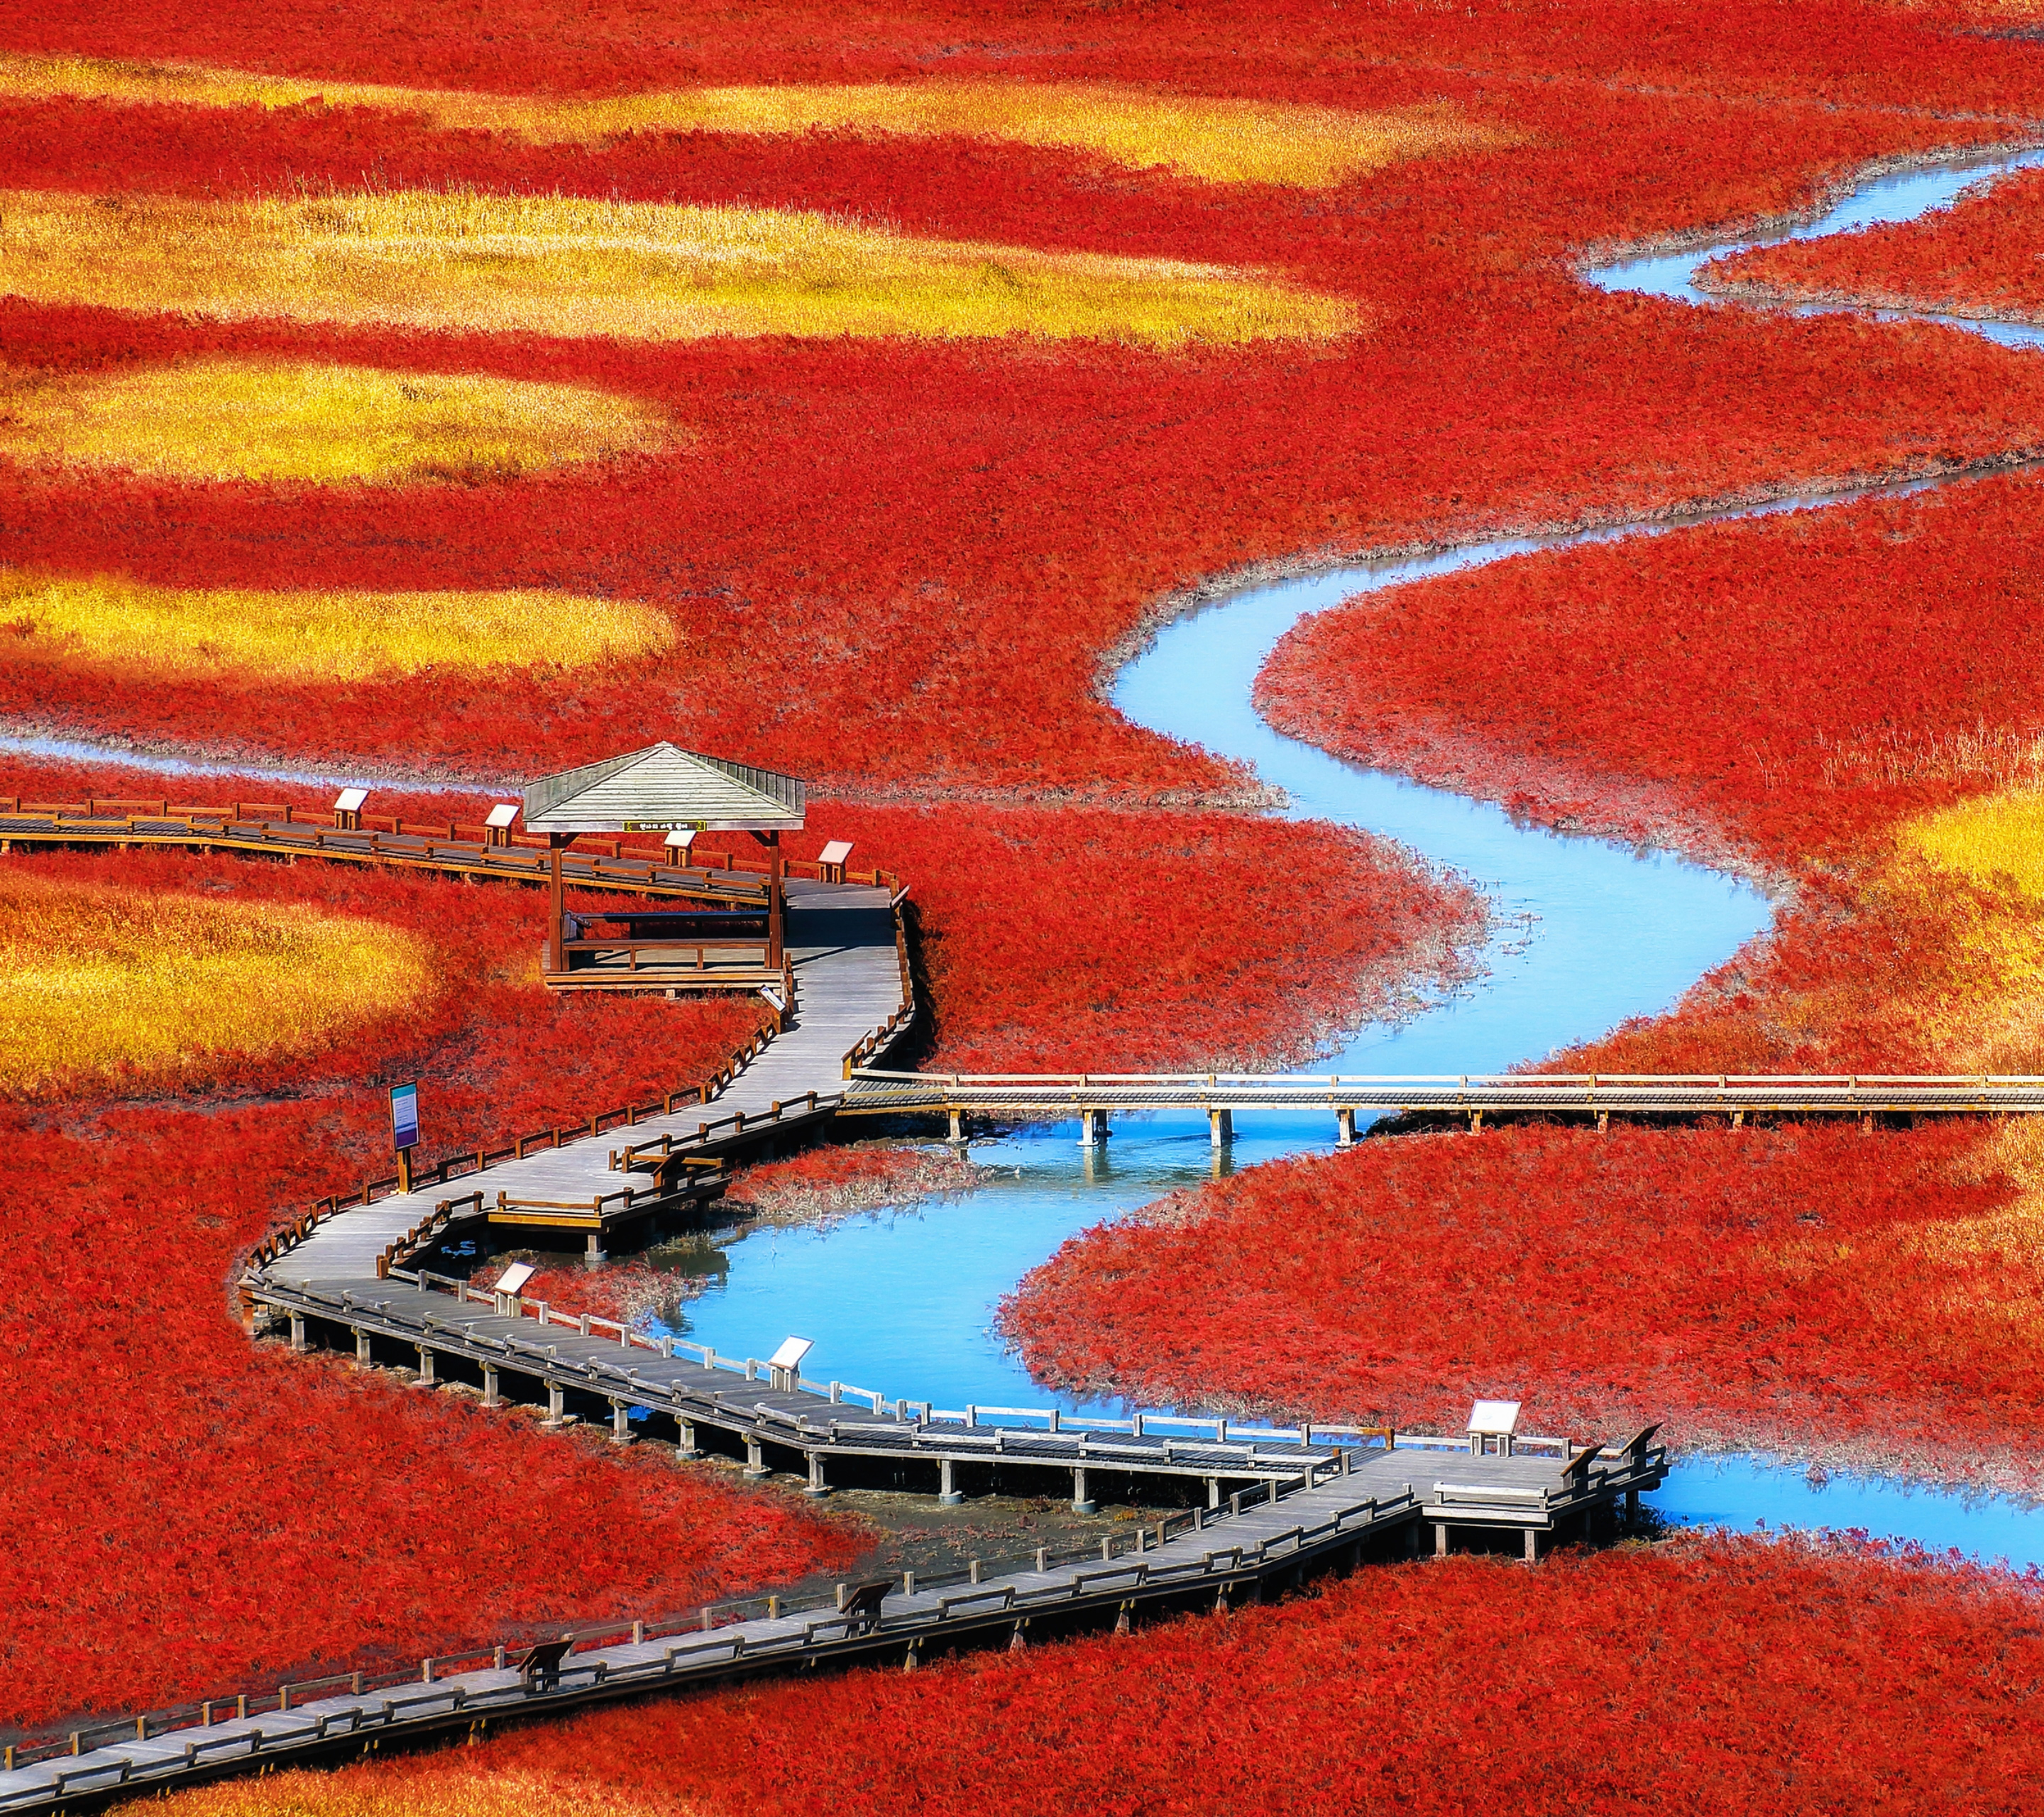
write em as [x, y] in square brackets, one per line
[1585, 933]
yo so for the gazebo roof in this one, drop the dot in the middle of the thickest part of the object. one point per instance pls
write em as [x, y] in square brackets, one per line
[662, 788]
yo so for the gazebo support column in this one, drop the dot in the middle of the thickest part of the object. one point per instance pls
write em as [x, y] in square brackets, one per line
[557, 957]
[777, 896]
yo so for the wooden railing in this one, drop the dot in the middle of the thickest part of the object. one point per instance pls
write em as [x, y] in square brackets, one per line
[877, 1040]
[104, 817]
[1116, 1560]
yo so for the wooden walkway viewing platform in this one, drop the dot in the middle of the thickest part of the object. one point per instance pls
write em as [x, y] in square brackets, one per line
[1377, 1503]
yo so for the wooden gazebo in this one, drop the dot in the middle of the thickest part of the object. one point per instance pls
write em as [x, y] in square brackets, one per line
[666, 791]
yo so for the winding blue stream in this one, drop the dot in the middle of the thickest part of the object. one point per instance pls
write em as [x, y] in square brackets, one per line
[1585, 933]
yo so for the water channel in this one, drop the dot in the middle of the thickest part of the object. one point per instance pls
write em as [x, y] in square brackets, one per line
[1585, 934]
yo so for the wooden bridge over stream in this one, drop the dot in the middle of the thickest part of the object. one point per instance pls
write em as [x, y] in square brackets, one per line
[1093, 1097]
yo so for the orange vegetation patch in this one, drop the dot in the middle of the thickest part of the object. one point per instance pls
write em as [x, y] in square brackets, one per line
[1977, 258]
[111, 985]
[1211, 139]
[1751, 1677]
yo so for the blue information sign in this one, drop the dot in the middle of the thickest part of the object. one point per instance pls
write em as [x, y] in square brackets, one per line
[405, 1115]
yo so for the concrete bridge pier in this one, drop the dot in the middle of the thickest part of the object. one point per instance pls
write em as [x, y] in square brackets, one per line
[1081, 1502]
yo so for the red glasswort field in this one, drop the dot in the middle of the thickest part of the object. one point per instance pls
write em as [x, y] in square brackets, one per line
[1726, 1676]
[1798, 1289]
[1977, 258]
[902, 565]
[1768, 692]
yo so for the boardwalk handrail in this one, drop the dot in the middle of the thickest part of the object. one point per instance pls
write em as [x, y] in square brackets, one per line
[877, 1041]
[699, 1626]
[444, 845]
[1486, 1082]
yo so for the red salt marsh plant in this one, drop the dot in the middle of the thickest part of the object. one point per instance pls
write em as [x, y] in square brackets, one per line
[936, 491]
[822, 1186]
[1800, 1290]
[1977, 258]
[1729, 1676]
[1766, 693]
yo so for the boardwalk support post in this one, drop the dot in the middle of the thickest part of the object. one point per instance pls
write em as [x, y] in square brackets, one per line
[1532, 1545]
[947, 1493]
[1093, 1128]
[686, 1448]
[817, 1486]
[425, 1378]
[755, 1462]
[297, 1331]
[1220, 1127]
[557, 1415]
[1213, 1492]
[1440, 1539]
[490, 1396]
[361, 1348]
[621, 1423]
[1345, 1127]
[1081, 1503]
[958, 1127]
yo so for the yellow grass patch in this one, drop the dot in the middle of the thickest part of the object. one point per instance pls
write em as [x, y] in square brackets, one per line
[1993, 842]
[416, 1787]
[638, 272]
[1996, 840]
[242, 635]
[241, 419]
[107, 983]
[1209, 139]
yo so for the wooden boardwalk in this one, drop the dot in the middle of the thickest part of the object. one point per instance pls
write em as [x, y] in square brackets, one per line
[279, 831]
[596, 1369]
[1368, 1504]
[852, 993]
